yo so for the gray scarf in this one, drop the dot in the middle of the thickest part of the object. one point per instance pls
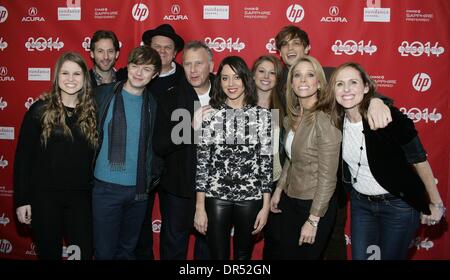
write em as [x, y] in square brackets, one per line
[117, 134]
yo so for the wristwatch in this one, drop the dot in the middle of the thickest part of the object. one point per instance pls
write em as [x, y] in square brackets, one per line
[313, 223]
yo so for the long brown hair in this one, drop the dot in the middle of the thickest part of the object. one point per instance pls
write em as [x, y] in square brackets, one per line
[294, 109]
[277, 92]
[337, 111]
[54, 115]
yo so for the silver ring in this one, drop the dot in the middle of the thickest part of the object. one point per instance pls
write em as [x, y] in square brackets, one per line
[433, 222]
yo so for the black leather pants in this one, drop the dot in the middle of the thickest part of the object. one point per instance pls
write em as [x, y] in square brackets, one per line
[222, 215]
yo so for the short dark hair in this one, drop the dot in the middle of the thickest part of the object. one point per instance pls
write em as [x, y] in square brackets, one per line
[290, 32]
[145, 55]
[241, 69]
[104, 34]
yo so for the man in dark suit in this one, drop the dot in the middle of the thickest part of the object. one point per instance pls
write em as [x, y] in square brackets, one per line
[174, 143]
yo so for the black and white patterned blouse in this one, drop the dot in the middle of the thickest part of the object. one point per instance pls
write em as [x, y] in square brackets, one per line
[234, 155]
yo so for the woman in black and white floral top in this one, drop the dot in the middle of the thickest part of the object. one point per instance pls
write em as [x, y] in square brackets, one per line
[234, 169]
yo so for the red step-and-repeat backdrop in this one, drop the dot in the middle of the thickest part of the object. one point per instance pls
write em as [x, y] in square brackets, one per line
[403, 44]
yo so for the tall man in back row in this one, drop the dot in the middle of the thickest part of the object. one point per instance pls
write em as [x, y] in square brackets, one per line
[104, 51]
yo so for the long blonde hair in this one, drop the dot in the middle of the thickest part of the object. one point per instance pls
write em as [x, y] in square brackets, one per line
[54, 115]
[293, 106]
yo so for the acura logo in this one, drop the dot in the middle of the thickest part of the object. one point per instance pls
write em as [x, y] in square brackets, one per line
[334, 11]
[32, 11]
[175, 9]
[3, 71]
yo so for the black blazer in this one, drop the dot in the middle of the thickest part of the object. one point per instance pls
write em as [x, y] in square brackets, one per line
[388, 162]
[180, 160]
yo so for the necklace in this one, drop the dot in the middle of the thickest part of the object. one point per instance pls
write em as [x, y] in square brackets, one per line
[69, 111]
[361, 148]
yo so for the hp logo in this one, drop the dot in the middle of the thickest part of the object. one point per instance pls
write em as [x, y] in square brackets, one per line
[295, 13]
[421, 82]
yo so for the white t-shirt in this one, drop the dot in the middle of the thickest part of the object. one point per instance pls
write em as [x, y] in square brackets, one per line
[288, 144]
[204, 98]
[353, 140]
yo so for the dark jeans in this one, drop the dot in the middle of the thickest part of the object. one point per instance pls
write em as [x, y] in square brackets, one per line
[222, 215]
[144, 247]
[62, 214]
[118, 219]
[294, 215]
[177, 223]
[381, 228]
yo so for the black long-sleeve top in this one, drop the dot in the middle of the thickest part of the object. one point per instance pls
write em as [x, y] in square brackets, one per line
[64, 164]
